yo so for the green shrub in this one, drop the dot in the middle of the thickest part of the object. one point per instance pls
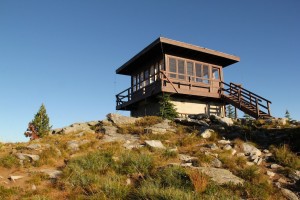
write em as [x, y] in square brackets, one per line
[131, 129]
[148, 121]
[167, 108]
[114, 187]
[258, 191]
[7, 193]
[133, 162]
[167, 154]
[249, 173]
[9, 161]
[286, 157]
[151, 190]
[176, 177]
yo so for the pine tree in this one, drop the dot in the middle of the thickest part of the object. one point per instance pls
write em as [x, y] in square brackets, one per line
[287, 115]
[230, 112]
[247, 117]
[41, 122]
[167, 109]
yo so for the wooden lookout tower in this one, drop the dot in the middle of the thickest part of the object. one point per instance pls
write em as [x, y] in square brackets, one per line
[191, 74]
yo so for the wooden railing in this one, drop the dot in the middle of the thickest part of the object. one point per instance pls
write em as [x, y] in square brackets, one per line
[246, 99]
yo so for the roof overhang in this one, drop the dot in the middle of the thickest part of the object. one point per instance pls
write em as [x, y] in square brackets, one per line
[163, 46]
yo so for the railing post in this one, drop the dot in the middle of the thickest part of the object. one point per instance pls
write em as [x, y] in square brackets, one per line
[257, 108]
[239, 97]
[268, 104]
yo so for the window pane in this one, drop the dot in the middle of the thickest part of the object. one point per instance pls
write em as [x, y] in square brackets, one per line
[172, 67]
[205, 74]
[141, 79]
[134, 83]
[216, 73]
[181, 69]
[137, 81]
[151, 74]
[198, 72]
[146, 77]
[190, 71]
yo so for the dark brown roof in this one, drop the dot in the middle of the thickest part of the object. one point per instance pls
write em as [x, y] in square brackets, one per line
[167, 46]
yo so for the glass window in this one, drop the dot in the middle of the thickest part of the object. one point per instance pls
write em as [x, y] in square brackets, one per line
[141, 79]
[181, 70]
[134, 83]
[156, 71]
[190, 70]
[137, 82]
[198, 68]
[152, 74]
[173, 68]
[215, 73]
[146, 77]
[205, 74]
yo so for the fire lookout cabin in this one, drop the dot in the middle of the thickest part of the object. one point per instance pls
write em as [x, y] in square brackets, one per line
[192, 75]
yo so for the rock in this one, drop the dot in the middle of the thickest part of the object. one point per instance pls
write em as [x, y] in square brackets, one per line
[207, 133]
[212, 146]
[73, 145]
[249, 163]
[282, 121]
[258, 161]
[268, 155]
[278, 185]
[221, 120]
[266, 151]
[240, 155]
[191, 122]
[34, 146]
[220, 176]
[155, 144]
[281, 180]
[275, 166]
[160, 128]
[189, 164]
[270, 174]
[120, 119]
[186, 158]
[216, 163]
[294, 175]
[52, 173]
[227, 147]
[207, 153]
[33, 187]
[32, 157]
[233, 151]
[224, 142]
[1, 177]
[198, 116]
[254, 157]
[20, 156]
[289, 194]
[14, 178]
[250, 149]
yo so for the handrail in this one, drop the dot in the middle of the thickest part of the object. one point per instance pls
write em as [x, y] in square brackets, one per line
[250, 92]
[244, 98]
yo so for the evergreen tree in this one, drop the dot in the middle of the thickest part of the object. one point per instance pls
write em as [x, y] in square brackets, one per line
[230, 111]
[167, 109]
[41, 122]
[247, 117]
[287, 115]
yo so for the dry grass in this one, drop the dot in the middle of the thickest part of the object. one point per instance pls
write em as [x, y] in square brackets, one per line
[199, 180]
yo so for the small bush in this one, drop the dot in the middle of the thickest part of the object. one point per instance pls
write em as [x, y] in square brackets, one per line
[114, 187]
[250, 173]
[286, 157]
[9, 161]
[199, 181]
[151, 190]
[132, 162]
[148, 121]
[48, 157]
[169, 154]
[176, 177]
[131, 129]
[7, 193]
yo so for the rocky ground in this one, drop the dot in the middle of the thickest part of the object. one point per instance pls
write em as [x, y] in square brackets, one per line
[236, 155]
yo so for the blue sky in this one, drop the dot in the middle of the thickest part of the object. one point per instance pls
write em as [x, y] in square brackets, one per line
[65, 53]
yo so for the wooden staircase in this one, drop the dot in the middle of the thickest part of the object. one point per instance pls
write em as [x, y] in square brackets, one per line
[248, 102]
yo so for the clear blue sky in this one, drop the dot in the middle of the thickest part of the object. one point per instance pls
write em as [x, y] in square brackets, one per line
[64, 53]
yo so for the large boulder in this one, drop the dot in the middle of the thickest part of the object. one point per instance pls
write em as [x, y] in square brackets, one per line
[221, 176]
[289, 194]
[207, 133]
[191, 122]
[120, 119]
[75, 128]
[155, 144]
[226, 121]
[250, 149]
[160, 128]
